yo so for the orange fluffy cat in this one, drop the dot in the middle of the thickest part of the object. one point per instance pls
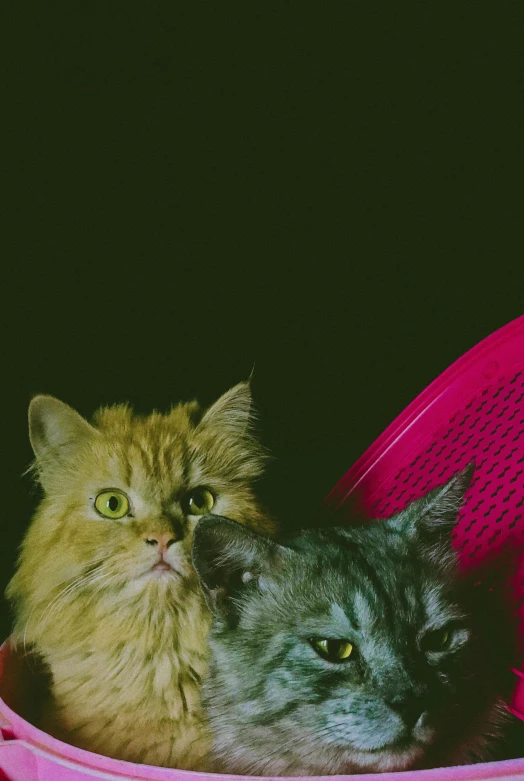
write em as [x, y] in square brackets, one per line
[105, 591]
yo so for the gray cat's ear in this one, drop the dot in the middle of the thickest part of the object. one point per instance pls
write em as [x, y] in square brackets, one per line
[433, 517]
[229, 558]
[233, 411]
[53, 424]
[438, 510]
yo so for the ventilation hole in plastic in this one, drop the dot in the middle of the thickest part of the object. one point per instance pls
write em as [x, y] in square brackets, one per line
[487, 430]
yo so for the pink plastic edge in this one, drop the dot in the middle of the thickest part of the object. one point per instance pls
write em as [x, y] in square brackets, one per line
[48, 749]
[56, 751]
[475, 372]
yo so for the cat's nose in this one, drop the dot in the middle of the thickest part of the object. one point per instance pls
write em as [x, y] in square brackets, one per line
[409, 707]
[161, 541]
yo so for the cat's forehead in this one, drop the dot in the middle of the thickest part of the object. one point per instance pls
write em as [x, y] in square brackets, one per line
[359, 611]
[145, 451]
[366, 587]
[121, 423]
[412, 603]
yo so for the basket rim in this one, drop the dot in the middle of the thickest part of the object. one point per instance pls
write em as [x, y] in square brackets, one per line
[456, 374]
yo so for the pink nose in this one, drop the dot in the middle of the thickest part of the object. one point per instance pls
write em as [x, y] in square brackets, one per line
[162, 541]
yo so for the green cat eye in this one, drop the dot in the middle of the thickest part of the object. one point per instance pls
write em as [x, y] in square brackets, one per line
[199, 501]
[437, 640]
[332, 650]
[112, 504]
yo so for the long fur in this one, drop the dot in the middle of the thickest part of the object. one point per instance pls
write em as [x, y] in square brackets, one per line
[127, 652]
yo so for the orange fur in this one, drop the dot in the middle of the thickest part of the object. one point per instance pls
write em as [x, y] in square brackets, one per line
[127, 648]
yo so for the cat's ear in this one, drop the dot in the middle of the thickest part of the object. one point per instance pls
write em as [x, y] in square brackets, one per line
[54, 428]
[229, 558]
[432, 517]
[229, 423]
[233, 411]
[437, 511]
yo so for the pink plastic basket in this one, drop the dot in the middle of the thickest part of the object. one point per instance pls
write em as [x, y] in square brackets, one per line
[473, 411]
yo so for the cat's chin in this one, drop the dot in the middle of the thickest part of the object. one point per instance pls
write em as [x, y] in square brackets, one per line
[392, 759]
[345, 761]
[163, 579]
[160, 575]
[160, 571]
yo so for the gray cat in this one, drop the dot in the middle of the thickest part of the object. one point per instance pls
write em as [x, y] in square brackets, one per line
[355, 649]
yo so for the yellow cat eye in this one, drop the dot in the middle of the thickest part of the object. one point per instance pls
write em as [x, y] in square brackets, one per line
[112, 504]
[199, 501]
[332, 650]
[437, 640]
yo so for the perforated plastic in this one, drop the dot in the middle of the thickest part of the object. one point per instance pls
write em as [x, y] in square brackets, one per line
[487, 430]
[472, 412]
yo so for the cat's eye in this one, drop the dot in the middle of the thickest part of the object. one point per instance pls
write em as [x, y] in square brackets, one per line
[437, 640]
[112, 504]
[199, 501]
[332, 650]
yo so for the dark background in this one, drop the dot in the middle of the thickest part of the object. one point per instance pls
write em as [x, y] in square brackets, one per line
[333, 194]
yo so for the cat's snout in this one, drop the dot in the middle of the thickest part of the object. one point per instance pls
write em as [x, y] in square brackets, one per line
[409, 707]
[162, 541]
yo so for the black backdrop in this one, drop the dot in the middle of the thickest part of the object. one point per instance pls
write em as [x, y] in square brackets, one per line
[331, 194]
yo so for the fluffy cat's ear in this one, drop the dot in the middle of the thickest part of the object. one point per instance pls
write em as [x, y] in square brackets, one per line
[232, 411]
[53, 428]
[228, 558]
[231, 441]
[432, 517]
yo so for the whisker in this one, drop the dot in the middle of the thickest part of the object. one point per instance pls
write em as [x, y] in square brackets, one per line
[95, 568]
[78, 584]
